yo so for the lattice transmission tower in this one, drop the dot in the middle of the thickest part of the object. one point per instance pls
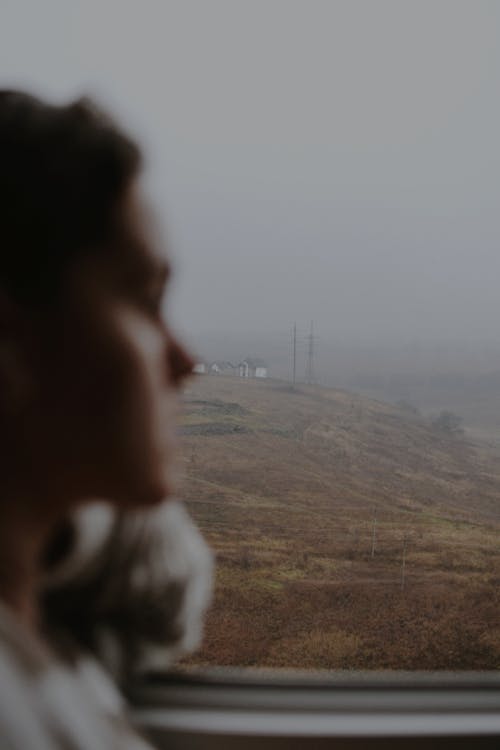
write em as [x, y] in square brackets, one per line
[310, 366]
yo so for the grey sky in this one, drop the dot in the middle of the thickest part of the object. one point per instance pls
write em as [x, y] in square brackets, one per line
[329, 160]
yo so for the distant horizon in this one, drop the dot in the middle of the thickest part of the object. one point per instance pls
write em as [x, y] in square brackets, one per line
[335, 162]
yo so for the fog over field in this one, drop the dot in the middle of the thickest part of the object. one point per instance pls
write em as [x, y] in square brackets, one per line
[335, 163]
[327, 161]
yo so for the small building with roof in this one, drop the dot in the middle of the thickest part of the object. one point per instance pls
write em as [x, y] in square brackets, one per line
[253, 367]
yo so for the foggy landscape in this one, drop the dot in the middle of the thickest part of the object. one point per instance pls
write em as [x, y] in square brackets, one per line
[334, 163]
[326, 161]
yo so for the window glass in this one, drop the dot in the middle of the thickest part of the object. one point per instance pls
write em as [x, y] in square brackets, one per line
[329, 175]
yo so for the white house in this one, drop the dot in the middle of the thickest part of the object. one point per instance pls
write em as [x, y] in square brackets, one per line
[200, 368]
[253, 368]
[222, 368]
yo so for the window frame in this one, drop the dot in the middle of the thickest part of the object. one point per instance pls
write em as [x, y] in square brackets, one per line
[229, 709]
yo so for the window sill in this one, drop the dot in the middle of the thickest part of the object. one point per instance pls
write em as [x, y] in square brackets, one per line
[239, 708]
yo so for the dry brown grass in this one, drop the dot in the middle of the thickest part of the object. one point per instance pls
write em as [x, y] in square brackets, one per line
[288, 502]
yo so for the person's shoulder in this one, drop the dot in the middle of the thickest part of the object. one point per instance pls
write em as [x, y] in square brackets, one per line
[46, 704]
[23, 662]
[19, 648]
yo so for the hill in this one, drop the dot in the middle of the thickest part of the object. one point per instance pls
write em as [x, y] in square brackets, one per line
[349, 533]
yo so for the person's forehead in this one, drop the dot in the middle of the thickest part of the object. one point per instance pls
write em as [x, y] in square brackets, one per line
[142, 244]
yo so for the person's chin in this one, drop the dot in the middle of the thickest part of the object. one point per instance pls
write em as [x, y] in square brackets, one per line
[146, 495]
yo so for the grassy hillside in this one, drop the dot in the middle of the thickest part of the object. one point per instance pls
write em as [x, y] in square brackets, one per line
[349, 533]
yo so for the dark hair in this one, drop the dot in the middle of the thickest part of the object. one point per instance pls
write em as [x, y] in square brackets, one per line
[63, 170]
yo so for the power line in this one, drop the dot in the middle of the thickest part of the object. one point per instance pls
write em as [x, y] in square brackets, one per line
[403, 563]
[310, 369]
[374, 531]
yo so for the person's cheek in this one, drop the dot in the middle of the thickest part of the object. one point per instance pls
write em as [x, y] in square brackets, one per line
[151, 402]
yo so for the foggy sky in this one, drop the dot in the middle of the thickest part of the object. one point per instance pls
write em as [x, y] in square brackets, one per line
[336, 161]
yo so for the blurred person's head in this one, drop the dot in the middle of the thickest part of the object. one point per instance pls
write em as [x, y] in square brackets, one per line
[89, 368]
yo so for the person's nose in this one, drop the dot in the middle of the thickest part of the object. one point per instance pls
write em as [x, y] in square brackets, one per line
[180, 361]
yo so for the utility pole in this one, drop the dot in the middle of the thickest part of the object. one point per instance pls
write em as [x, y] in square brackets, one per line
[374, 532]
[403, 563]
[310, 378]
[294, 356]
